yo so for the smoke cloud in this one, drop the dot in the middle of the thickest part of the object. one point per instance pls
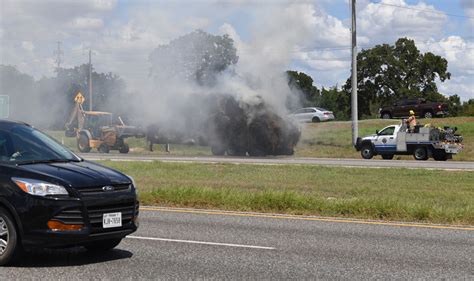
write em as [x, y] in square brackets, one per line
[183, 100]
[168, 96]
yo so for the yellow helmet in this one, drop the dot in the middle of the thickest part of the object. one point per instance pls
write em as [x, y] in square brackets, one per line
[412, 112]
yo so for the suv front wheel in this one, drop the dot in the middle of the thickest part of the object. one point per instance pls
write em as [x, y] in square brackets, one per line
[9, 246]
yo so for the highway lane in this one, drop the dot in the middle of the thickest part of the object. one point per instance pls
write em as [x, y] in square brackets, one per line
[184, 244]
[343, 162]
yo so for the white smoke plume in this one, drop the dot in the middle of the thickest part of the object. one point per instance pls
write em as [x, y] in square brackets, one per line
[260, 71]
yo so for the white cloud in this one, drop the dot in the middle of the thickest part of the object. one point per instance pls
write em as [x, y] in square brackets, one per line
[392, 19]
[198, 23]
[460, 55]
[28, 46]
[463, 86]
[458, 51]
[87, 23]
[328, 30]
[104, 5]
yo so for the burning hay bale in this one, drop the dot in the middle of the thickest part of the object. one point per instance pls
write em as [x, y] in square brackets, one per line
[233, 127]
[239, 127]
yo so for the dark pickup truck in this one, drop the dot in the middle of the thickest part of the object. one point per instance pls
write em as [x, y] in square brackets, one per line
[421, 107]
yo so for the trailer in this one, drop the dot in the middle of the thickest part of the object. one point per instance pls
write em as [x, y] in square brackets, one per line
[423, 142]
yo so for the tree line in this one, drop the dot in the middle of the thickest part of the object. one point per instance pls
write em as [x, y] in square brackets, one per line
[48, 102]
[385, 74]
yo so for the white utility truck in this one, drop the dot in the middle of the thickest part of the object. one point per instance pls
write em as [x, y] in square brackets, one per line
[424, 142]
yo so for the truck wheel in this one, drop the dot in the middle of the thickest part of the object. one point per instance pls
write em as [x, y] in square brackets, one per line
[367, 152]
[83, 143]
[420, 153]
[124, 148]
[103, 245]
[387, 156]
[386, 115]
[10, 248]
[440, 156]
[428, 115]
[316, 120]
[103, 148]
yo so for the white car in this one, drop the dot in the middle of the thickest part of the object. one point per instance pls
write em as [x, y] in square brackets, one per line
[313, 114]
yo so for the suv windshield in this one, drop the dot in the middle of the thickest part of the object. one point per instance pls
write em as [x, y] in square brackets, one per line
[23, 145]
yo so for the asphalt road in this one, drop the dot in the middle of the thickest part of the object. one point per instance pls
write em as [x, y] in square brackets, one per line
[182, 244]
[445, 165]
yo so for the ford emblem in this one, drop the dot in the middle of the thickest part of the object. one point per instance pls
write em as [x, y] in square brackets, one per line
[108, 188]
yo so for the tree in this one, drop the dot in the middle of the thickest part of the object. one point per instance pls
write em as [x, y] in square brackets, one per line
[388, 73]
[305, 93]
[468, 108]
[337, 101]
[197, 57]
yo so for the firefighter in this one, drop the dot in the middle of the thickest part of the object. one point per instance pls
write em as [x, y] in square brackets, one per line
[411, 122]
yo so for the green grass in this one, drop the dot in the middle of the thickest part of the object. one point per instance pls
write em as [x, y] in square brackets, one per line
[389, 194]
[330, 139]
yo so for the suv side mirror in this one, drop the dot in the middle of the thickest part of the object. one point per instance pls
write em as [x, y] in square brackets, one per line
[377, 132]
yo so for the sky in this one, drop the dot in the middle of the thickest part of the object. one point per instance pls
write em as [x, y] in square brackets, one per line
[122, 33]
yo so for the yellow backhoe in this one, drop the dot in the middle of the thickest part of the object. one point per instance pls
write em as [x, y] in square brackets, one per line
[95, 129]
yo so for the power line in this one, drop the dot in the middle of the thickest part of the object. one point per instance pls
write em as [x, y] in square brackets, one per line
[333, 48]
[423, 10]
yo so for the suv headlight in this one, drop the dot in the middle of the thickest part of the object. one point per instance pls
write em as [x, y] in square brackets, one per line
[39, 188]
[133, 183]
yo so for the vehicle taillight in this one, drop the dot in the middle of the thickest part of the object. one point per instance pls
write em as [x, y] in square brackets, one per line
[327, 113]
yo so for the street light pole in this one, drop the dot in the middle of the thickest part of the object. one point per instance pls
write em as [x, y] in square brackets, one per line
[355, 126]
[90, 80]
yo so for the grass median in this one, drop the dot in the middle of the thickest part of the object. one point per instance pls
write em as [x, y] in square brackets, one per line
[434, 196]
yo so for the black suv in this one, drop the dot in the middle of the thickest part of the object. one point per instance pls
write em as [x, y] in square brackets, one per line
[50, 197]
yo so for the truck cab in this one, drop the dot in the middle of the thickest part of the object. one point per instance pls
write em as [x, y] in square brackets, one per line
[383, 142]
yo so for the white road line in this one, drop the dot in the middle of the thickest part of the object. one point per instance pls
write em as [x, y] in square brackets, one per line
[201, 242]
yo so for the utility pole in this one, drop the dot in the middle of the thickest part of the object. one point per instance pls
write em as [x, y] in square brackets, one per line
[90, 80]
[355, 125]
[58, 54]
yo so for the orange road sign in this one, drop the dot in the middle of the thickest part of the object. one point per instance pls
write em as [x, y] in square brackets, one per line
[79, 98]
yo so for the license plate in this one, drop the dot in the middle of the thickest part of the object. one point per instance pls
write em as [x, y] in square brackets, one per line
[112, 220]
